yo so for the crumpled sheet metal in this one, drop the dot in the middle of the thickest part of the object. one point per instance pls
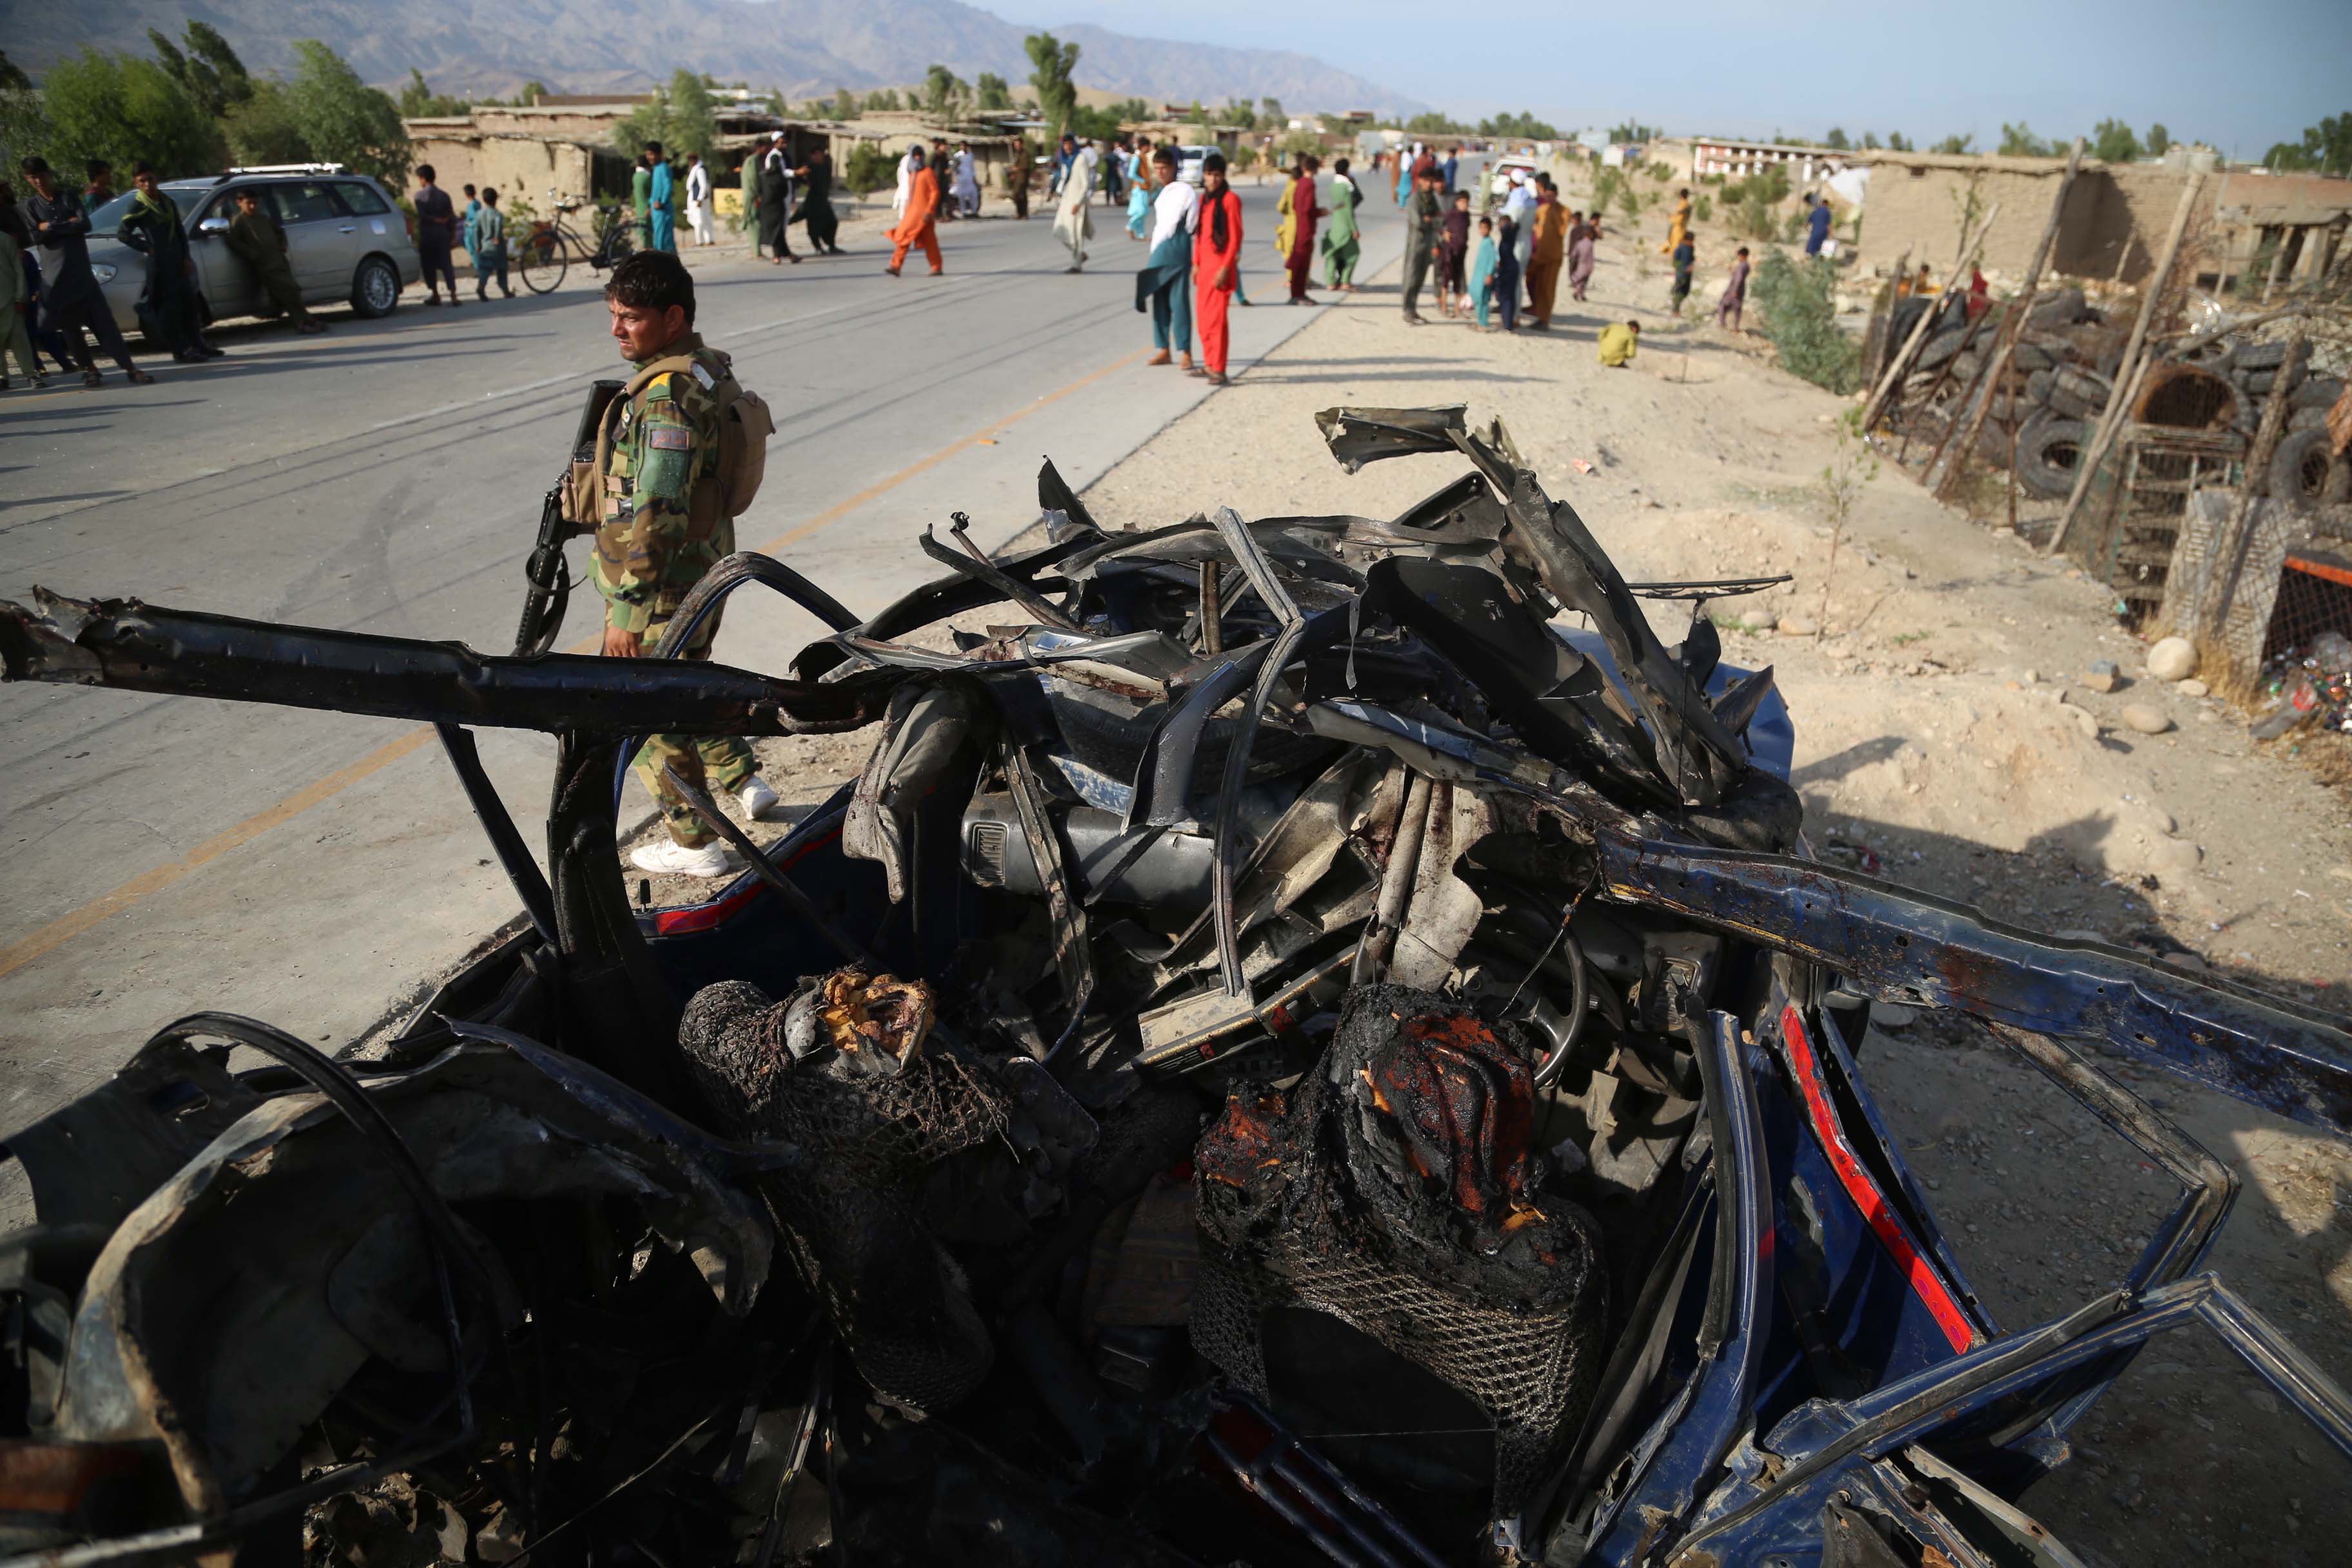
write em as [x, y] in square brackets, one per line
[923, 733]
[231, 1306]
[1443, 910]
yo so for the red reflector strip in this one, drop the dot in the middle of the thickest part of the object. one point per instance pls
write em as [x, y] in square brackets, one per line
[718, 911]
[1926, 1282]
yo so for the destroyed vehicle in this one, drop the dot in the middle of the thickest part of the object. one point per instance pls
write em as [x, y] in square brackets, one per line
[1290, 1051]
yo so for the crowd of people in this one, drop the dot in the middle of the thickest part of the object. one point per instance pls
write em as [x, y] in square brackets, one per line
[1501, 268]
[1497, 254]
[54, 302]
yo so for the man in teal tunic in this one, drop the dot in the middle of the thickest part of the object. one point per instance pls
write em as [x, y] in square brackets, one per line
[661, 191]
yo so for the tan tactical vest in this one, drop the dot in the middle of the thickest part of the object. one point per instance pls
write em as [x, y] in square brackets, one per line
[744, 427]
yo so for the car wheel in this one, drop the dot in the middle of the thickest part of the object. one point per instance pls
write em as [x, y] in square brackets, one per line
[375, 289]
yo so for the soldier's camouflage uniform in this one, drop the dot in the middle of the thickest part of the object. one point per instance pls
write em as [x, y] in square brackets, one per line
[650, 553]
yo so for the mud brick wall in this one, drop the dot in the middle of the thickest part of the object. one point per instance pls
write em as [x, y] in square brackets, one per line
[2110, 210]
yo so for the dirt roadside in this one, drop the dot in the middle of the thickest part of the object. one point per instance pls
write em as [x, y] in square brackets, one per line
[1944, 739]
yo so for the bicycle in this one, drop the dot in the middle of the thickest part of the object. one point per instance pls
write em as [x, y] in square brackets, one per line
[546, 252]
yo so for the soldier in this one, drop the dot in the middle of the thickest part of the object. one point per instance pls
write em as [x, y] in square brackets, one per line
[256, 238]
[658, 537]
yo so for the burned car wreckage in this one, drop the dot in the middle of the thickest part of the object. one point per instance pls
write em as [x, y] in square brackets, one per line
[1284, 1055]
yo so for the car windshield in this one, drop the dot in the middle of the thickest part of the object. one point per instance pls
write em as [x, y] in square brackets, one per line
[107, 220]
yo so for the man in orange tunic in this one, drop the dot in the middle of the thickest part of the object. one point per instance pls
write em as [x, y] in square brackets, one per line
[918, 221]
[1549, 226]
[1216, 264]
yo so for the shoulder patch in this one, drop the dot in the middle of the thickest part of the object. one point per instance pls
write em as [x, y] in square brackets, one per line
[669, 437]
[658, 389]
[702, 374]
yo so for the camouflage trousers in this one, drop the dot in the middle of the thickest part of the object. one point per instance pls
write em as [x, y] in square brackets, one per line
[712, 764]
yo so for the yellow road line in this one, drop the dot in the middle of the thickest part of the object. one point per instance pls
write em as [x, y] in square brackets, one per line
[67, 927]
[978, 438]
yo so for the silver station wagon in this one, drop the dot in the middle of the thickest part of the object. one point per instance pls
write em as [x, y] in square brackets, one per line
[346, 238]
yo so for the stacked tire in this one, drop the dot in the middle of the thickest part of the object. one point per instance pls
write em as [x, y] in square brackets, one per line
[2064, 377]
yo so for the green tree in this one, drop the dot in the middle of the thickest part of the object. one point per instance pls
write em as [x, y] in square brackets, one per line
[2325, 148]
[1630, 131]
[845, 104]
[1238, 112]
[995, 92]
[204, 64]
[943, 91]
[882, 99]
[419, 101]
[1517, 127]
[1434, 124]
[1272, 114]
[1899, 142]
[1952, 145]
[263, 129]
[2019, 141]
[2159, 140]
[121, 109]
[12, 76]
[1057, 92]
[681, 117]
[2113, 141]
[1199, 116]
[1835, 140]
[693, 117]
[1870, 141]
[533, 92]
[342, 119]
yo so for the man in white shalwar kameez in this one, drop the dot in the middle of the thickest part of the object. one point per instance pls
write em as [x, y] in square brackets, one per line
[907, 167]
[967, 182]
[1072, 220]
[698, 200]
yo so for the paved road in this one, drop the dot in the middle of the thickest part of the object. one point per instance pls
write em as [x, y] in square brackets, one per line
[167, 854]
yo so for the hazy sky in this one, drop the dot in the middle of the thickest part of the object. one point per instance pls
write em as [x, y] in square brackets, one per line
[2241, 75]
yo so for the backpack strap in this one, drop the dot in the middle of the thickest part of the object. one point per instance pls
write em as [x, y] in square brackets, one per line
[724, 388]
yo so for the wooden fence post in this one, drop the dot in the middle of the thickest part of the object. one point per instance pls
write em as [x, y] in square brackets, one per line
[2119, 408]
[1980, 399]
[1900, 366]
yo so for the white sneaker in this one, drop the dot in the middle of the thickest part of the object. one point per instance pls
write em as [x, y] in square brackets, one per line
[670, 858]
[756, 798]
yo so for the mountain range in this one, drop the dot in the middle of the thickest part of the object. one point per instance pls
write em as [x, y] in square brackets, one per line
[806, 47]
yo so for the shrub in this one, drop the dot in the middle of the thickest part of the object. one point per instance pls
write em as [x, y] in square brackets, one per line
[868, 169]
[1752, 204]
[1800, 317]
[1606, 183]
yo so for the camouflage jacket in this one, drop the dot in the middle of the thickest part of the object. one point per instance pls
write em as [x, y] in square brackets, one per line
[649, 552]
